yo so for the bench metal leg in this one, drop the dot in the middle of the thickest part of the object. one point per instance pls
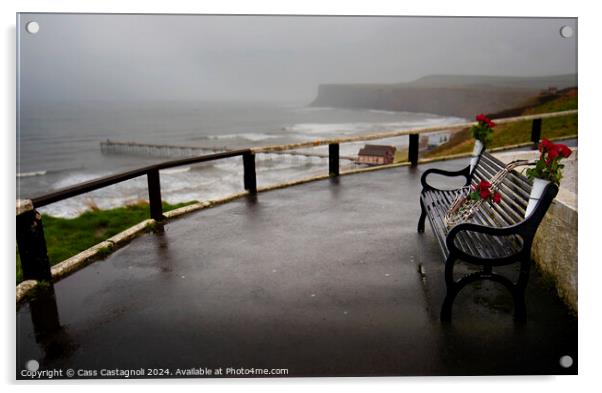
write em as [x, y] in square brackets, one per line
[520, 309]
[454, 287]
[525, 267]
[449, 271]
[422, 217]
[448, 302]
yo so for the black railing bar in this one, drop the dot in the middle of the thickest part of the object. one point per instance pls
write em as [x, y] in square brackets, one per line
[106, 181]
[198, 159]
[137, 144]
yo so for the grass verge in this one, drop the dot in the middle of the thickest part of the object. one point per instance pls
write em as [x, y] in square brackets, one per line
[66, 237]
[515, 133]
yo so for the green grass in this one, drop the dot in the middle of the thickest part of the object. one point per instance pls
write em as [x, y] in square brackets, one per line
[515, 133]
[401, 155]
[66, 237]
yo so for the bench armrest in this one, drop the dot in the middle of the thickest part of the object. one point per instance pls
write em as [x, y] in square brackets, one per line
[519, 229]
[526, 228]
[462, 172]
[487, 230]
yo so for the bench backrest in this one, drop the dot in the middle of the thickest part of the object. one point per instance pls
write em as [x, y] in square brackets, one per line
[515, 190]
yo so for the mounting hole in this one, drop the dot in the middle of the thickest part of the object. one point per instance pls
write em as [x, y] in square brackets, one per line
[566, 31]
[566, 361]
[32, 365]
[32, 27]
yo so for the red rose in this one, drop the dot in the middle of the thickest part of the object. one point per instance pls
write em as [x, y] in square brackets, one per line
[551, 155]
[546, 145]
[483, 185]
[564, 150]
[497, 197]
[483, 119]
[485, 193]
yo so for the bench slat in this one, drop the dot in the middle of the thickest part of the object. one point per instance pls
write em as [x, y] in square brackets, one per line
[439, 233]
[512, 180]
[513, 177]
[487, 171]
[438, 203]
[468, 244]
[503, 245]
[445, 200]
[492, 165]
[514, 197]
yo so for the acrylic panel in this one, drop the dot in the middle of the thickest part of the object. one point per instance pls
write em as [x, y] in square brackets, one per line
[222, 196]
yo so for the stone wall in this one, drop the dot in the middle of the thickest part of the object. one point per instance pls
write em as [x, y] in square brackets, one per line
[555, 245]
[555, 250]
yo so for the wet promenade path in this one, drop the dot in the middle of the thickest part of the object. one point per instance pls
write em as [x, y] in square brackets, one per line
[329, 278]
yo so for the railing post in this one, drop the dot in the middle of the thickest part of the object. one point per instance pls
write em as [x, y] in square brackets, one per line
[536, 133]
[154, 195]
[31, 243]
[44, 314]
[333, 159]
[250, 177]
[413, 150]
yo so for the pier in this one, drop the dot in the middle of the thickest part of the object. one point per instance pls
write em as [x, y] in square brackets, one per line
[157, 150]
[164, 150]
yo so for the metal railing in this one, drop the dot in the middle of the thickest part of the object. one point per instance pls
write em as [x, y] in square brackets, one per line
[30, 234]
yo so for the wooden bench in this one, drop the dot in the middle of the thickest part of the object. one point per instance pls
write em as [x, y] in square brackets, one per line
[496, 235]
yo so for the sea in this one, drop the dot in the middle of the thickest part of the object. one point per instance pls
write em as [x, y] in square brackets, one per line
[58, 145]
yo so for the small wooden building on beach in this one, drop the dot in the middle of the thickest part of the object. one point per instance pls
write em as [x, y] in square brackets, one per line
[376, 155]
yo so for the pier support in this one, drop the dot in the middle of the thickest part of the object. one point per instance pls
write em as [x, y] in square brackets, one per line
[333, 159]
[250, 177]
[154, 195]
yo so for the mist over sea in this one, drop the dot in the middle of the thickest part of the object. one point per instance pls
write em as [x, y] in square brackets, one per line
[58, 145]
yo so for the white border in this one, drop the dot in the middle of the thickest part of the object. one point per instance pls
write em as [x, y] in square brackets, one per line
[590, 131]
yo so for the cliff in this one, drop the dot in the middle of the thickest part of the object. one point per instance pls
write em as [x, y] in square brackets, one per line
[448, 95]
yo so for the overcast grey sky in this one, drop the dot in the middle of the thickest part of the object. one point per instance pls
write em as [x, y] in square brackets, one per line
[130, 57]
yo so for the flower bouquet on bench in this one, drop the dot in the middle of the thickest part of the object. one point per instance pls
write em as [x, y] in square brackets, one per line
[471, 198]
[547, 169]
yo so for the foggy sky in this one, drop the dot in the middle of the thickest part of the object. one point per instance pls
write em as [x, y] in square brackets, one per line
[170, 57]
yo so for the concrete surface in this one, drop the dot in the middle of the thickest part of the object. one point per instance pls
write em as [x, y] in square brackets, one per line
[325, 279]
